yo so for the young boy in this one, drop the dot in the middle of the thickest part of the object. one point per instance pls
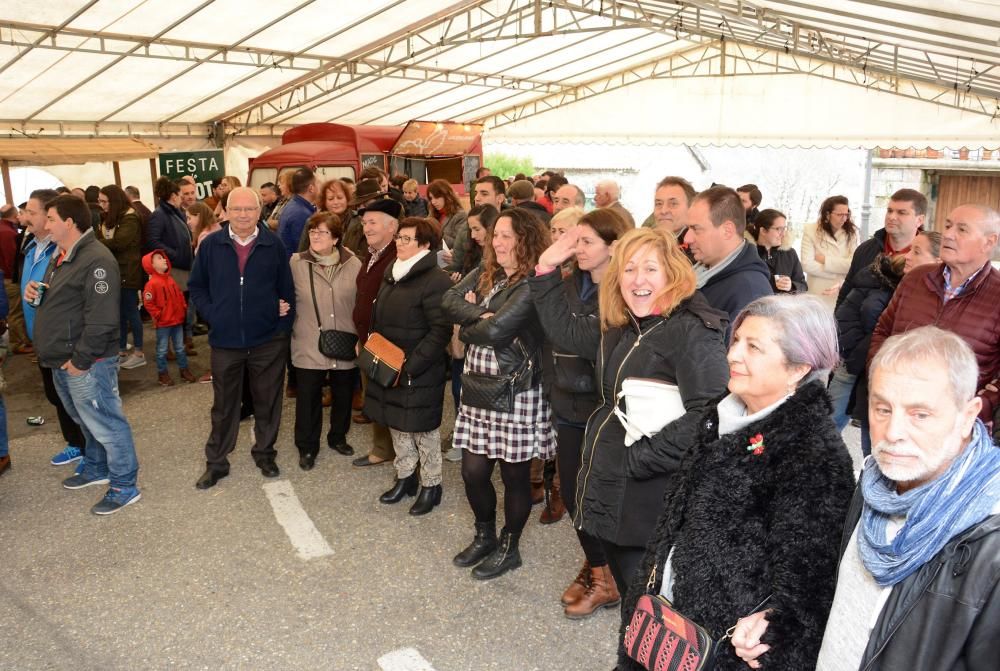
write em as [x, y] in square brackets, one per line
[165, 303]
[415, 205]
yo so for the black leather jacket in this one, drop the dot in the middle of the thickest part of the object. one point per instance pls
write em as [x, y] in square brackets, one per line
[513, 331]
[946, 616]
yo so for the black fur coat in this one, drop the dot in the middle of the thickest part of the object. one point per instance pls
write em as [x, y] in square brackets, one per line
[744, 526]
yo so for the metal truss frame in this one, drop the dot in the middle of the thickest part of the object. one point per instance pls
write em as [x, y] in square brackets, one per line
[729, 37]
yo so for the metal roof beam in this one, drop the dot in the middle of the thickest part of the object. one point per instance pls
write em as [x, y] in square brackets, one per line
[42, 38]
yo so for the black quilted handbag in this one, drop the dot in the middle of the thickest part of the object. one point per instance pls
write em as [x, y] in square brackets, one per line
[333, 344]
[489, 392]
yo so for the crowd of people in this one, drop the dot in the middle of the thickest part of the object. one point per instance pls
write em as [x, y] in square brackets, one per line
[678, 388]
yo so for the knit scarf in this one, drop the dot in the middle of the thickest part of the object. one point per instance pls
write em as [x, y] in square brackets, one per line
[935, 512]
[400, 268]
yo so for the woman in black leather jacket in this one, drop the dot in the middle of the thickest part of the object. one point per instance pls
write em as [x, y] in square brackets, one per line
[570, 381]
[654, 325]
[503, 417]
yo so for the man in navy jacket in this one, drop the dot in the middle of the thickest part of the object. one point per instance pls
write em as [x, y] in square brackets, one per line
[242, 285]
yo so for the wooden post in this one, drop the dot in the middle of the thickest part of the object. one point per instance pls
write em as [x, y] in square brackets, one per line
[118, 173]
[7, 188]
[152, 181]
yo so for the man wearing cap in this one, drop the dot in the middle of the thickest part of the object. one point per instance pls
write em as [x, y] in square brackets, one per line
[522, 195]
[354, 232]
[381, 221]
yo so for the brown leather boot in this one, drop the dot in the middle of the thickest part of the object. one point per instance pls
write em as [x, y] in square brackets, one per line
[189, 347]
[554, 510]
[537, 493]
[579, 585]
[165, 379]
[187, 375]
[327, 397]
[602, 593]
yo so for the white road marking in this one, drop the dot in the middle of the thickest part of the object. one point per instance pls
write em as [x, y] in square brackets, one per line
[404, 659]
[308, 542]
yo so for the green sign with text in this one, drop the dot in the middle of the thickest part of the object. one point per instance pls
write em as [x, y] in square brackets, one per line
[204, 166]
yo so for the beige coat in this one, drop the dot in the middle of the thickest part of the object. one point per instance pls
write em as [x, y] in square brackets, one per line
[335, 300]
[838, 253]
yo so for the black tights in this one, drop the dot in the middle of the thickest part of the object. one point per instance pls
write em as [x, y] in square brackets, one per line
[477, 473]
[569, 443]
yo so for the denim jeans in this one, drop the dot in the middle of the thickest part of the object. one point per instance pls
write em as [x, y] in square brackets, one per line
[3, 428]
[93, 402]
[840, 389]
[128, 315]
[164, 336]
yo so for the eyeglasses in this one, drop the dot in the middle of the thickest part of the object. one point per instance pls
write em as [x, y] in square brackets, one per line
[242, 210]
[778, 229]
[319, 232]
[405, 239]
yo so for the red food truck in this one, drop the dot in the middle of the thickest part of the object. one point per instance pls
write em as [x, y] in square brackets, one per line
[424, 150]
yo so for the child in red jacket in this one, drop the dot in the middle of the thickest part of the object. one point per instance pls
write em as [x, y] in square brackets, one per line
[165, 303]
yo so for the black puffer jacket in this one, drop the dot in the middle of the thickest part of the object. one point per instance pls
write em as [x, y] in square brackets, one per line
[863, 257]
[408, 313]
[946, 616]
[619, 489]
[857, 315]
[744, 526]
[569, 378]
[513, 331]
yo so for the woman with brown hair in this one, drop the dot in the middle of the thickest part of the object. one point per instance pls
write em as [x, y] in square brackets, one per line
[201, 220]
[122, 234]
[446, 210]
[570, 379]
[827, 248]
[656, 336]
[324, 275]
[504, 416]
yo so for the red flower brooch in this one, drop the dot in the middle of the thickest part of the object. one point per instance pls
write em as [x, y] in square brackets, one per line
[756, 445]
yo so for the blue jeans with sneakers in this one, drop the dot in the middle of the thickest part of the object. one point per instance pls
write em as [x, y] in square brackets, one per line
[164, 336]
[93, 402]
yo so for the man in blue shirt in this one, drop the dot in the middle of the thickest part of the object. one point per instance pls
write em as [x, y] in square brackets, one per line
[293, 217]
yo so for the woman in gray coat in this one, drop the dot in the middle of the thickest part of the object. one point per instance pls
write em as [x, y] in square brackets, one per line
[324, 276]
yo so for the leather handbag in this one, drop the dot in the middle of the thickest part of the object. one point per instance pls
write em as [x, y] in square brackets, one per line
[333, 344]
[494, 392]
[381, 361]
[661, 638]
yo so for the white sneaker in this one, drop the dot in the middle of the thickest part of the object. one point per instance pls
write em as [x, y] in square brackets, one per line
[134, 360]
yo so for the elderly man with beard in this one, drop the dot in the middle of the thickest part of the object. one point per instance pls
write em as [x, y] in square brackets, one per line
[918, 587]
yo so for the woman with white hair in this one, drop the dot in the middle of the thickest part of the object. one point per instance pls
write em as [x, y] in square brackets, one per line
[753, 519]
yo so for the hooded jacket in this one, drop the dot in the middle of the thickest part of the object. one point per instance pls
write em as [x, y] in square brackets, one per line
[163, 299]
[744, 280]
[78, 318]
[168, 230]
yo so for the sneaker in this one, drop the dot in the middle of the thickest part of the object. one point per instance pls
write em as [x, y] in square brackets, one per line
[205, 379]
[80, 465]
[454, 454]
[134, 360]
[67, 456]
[115, 500]
[81, 481]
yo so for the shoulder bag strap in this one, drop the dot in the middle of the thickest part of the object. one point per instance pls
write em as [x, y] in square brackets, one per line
[312, 290]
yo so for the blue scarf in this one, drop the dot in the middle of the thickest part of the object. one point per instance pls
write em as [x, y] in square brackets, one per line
[935, 512]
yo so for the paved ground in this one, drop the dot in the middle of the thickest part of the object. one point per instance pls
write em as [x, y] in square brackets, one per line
[186, 579]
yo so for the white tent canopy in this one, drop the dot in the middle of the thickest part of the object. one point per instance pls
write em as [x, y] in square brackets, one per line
[925, 72]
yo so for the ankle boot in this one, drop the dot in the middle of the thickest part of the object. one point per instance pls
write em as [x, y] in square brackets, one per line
[505, 558]
[554, 508]
[579, 585]
[405, 487]
[602, 593]
[483, 544]
[426, 500]
[189, 347]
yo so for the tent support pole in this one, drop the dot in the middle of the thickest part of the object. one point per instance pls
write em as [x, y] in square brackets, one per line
[118, 173]
[7, 188]
[152, 178]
